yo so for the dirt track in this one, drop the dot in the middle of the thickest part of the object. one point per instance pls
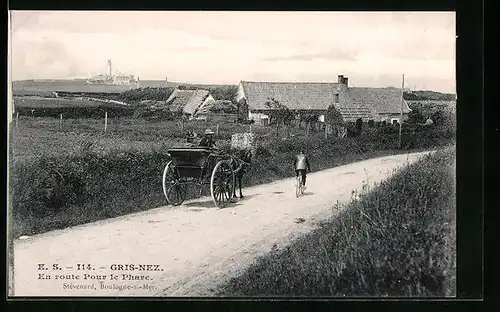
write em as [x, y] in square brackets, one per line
[195, 245]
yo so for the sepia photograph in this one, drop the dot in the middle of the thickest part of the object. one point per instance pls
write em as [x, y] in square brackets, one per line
[231, 154]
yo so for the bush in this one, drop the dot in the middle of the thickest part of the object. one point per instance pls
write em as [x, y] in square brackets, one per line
[416, 116]
[46, 191]
[158, 114]
[147, 93]
[227, 93]
[394, 241]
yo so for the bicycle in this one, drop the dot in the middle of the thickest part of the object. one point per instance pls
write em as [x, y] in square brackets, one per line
[299, 187]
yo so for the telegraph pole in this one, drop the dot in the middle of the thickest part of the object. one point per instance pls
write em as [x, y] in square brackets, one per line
[401, 111]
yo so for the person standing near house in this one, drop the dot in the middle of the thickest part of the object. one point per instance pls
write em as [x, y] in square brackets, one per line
[301, 166]
[208, 140]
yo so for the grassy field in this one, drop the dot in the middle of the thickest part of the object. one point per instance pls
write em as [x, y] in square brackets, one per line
[38, 102]
[20, 87]
[40, 136]
[78, 174]
[397, 240]
[67, 86]
[44, 94]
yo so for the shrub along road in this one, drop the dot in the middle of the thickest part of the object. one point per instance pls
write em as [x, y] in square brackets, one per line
[188, 250]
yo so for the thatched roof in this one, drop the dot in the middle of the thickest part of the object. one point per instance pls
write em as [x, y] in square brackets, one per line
[187, 100]
[304, 96]
[300, 96]
[379, 100]
[352, 103]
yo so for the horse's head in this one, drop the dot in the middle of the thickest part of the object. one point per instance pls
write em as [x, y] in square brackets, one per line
[246, 155]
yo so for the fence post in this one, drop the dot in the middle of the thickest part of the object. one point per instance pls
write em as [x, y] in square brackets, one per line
[250, 128]
[326, 131]
[105, 121]
[61, 121]
[217, 131]
[17, 118]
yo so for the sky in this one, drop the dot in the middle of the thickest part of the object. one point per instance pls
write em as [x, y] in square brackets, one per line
[373, 49]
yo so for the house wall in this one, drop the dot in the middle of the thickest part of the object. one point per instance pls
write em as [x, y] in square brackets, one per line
[260, 117]
[390, 117]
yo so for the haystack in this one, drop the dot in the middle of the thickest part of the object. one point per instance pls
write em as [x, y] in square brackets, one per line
[243, 141]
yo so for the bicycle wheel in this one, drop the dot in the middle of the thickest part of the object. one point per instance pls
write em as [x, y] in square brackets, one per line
[298, 186]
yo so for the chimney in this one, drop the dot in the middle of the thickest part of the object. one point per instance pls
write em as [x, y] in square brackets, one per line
[346, 81]
[340, 79]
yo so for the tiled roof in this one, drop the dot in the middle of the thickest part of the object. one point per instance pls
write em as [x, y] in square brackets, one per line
[379, 100]
[187, 100]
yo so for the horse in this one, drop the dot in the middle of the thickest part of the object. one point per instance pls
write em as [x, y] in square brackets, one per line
[244, 159]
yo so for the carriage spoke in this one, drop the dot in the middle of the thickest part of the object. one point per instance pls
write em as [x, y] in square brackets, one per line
[228, 193]
[217, 195]
[222, 183]
[176, 194]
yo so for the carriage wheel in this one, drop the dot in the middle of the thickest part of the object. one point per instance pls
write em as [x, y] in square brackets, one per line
[176, 194]
[222, 184]
[170, 177]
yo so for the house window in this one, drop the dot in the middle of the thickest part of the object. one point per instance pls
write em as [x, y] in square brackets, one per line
[336, 98]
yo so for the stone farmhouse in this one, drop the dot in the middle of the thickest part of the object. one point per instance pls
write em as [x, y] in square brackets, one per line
[377, 104]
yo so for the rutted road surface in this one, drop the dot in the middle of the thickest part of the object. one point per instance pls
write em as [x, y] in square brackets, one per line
[190, 248]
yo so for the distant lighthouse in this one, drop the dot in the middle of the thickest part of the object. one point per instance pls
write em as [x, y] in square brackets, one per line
[110, 69]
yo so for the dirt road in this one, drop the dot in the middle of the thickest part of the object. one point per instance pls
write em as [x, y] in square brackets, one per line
[187, 250]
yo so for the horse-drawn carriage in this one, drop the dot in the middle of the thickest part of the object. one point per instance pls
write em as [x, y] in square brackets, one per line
[201, 166]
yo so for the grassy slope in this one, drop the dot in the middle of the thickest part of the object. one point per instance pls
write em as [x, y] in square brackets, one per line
[395, 241]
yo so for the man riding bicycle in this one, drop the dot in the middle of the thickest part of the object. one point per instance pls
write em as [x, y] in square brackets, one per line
[300, 165]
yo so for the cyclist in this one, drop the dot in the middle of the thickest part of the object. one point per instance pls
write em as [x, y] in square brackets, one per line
[300, 165]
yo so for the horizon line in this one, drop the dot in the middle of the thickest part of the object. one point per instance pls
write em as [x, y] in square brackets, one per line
[229, 84]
